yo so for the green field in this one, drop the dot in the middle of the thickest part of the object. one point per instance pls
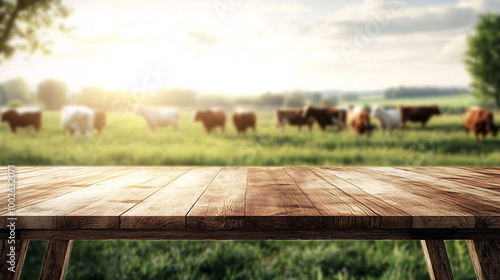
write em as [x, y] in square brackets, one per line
[127, 141]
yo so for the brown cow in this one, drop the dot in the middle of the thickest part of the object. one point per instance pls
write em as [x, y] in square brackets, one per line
[243, 119]
[359, 120]
[211, 119]
[292, 116]
[326, 116]
[99, 120]
[480, 121]
[22, 118]
[420, 114]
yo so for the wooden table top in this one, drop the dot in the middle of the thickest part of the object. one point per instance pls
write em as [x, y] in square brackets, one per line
[255, 198]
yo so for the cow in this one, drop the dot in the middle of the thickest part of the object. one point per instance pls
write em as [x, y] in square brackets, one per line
[292, 116]
[77, 120]
[158, 117]
[420, 114]
[82, 120]
[243, 119]
[480, 121]
[99, 120]
[211, 118]
[388, 118]
[359, 120]
[326, 116]
[22, 117]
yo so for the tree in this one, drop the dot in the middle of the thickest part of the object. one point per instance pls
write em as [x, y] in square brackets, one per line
[294, 100]
[93, 97]
[482, 58]
[15, 103]
[349, 96]
[23, 22]
[52, 94]
[328, 101]
[15, 89]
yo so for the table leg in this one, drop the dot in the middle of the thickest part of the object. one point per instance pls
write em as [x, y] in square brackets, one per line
[56, 259]
[485, 258]
[437, 259]
[20, 248]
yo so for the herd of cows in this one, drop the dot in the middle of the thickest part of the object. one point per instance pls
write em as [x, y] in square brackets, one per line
[80, 120]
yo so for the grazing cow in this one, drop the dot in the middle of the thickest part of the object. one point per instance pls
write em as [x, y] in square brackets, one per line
[420, 114]
[243, 119]
[22, 117]
[77, 120]
[99, 120]
[480, 121]
[326, 116]
[359, 120]
[388, 118]
[292, 116]
[159, 117]
[211, 119]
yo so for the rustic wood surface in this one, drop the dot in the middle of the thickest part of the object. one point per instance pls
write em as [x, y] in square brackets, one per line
[255, 198]
[437, 259]
[56, 260]
[485, 258]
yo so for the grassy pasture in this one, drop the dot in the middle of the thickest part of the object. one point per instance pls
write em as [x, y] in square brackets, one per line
[127, 141]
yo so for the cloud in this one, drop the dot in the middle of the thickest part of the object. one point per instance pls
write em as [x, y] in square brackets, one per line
[481, 5]
[410, 21]
[454, 50]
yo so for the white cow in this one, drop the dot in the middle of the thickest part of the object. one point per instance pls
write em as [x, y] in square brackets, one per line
[158, 117]
[77, 120]
[388, 118]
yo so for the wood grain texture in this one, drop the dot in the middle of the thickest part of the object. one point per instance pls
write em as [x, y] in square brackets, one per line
[222, 205]
[273, 200]
[264, 234]
[20, 249]
[425, 204]
[256, 198]
[95, 206]
[437, 259]
[391, 216]
[485, 258]
[56, 260]
[168, 207]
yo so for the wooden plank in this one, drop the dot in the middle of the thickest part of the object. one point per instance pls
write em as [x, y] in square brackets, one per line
[339, 210]
[273, 200]
[463, 176]
[56, 259]
[99, 205]
[20, 248]
[43, 189]
[391, 216]
[437, 259]
[262, 234]
[222, 205]
[168, 207]
[485, 258]
[428, 210]
[482, 203]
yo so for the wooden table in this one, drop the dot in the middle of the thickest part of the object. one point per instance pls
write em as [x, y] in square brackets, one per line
[62, 204]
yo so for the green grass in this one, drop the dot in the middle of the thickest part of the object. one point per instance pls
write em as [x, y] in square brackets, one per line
[127, 141]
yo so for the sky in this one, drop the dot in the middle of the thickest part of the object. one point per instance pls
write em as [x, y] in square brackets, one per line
[247, 47]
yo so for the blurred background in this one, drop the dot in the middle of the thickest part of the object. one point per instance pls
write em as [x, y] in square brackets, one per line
[260, 56]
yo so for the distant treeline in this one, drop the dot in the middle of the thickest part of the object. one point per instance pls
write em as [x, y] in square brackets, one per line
[409, 92]
[53, 94]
